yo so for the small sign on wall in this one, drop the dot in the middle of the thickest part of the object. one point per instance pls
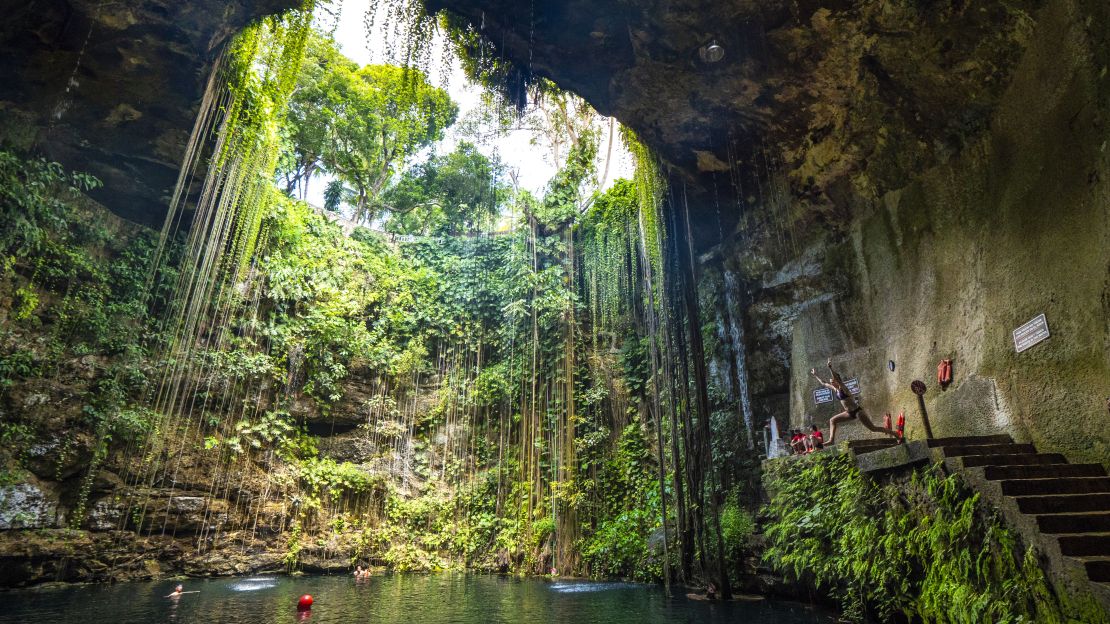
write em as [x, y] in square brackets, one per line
[1031, 333]
[824, 395]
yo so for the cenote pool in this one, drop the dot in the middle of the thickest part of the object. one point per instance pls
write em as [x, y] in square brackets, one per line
[449, 598]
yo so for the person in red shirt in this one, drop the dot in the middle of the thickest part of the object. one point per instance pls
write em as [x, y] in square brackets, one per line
[797, 441]
[816, 440]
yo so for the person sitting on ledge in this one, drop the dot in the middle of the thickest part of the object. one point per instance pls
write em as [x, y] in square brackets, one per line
[851, 408]
[797, 442]
[816, 440]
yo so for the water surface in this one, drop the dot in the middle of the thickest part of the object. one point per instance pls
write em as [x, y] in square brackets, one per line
[412, 599]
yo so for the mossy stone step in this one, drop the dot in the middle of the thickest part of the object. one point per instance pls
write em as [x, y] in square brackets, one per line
[970, 441]
[1063, 503]
[1065, 485]
[987, 449]
[1014, 459]
[1086, 545]
[1043, 471]
[1091, 522]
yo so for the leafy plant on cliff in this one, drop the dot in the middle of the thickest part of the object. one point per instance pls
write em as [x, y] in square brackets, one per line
[928, 550]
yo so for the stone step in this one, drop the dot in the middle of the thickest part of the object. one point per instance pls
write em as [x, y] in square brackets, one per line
[1015, 459]
[1066, 485]
[1086, 545]
[883, 441]
[1063, 503]
[961, 450]
[970, 441]
[859, 447]
[1043, 471]
[1098, 568]
[1092, 522]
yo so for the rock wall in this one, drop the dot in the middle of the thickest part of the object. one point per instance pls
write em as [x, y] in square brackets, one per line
[1014, 225]
[112, 88]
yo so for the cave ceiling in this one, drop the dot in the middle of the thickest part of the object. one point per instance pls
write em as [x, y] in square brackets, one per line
[813, 105]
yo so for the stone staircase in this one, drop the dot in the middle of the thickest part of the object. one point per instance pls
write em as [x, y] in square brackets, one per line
[1061, 507]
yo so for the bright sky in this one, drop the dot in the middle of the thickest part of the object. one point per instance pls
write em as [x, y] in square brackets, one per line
[517, 150]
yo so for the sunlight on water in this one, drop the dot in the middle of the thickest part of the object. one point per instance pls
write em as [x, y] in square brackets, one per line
[255, 584]
[578, 588]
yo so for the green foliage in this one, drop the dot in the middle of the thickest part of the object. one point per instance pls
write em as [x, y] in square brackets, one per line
[737, 527]
[335, 302]
[320, 477]
[358, 124]
[928, 551]
[458, 193]
[630, 513]
[19, 364]
[619, 547]
[485, 65]
[35, 201]
[273, 430]
[293, 547]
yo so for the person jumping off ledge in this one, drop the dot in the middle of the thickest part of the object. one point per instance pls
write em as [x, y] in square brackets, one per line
[851, 408]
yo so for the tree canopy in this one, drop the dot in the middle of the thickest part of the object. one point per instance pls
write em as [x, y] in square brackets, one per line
[358, 124]
[461, 192]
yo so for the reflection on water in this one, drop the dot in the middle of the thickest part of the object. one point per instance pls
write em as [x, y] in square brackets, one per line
[435, 599]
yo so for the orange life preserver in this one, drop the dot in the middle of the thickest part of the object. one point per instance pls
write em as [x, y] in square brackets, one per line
[944, 373]
[902, 424]
[886, 420]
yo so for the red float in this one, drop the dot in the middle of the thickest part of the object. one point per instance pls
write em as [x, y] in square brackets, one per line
[944, 374]
[305, 603]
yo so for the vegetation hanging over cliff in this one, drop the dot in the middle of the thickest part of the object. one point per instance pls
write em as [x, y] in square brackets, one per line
[924, 550]
[517, 401]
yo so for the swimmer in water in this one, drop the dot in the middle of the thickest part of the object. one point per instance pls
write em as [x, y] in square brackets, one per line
[852, 410]
[177, 592]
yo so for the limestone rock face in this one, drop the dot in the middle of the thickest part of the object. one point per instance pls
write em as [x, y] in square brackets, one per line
[112, 88]
[27, 506]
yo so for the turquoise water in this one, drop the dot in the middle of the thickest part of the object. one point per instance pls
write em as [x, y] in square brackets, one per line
[432, 599]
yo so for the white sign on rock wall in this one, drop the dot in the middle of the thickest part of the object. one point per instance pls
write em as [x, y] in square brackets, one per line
[824, 395]
[1032, 333]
